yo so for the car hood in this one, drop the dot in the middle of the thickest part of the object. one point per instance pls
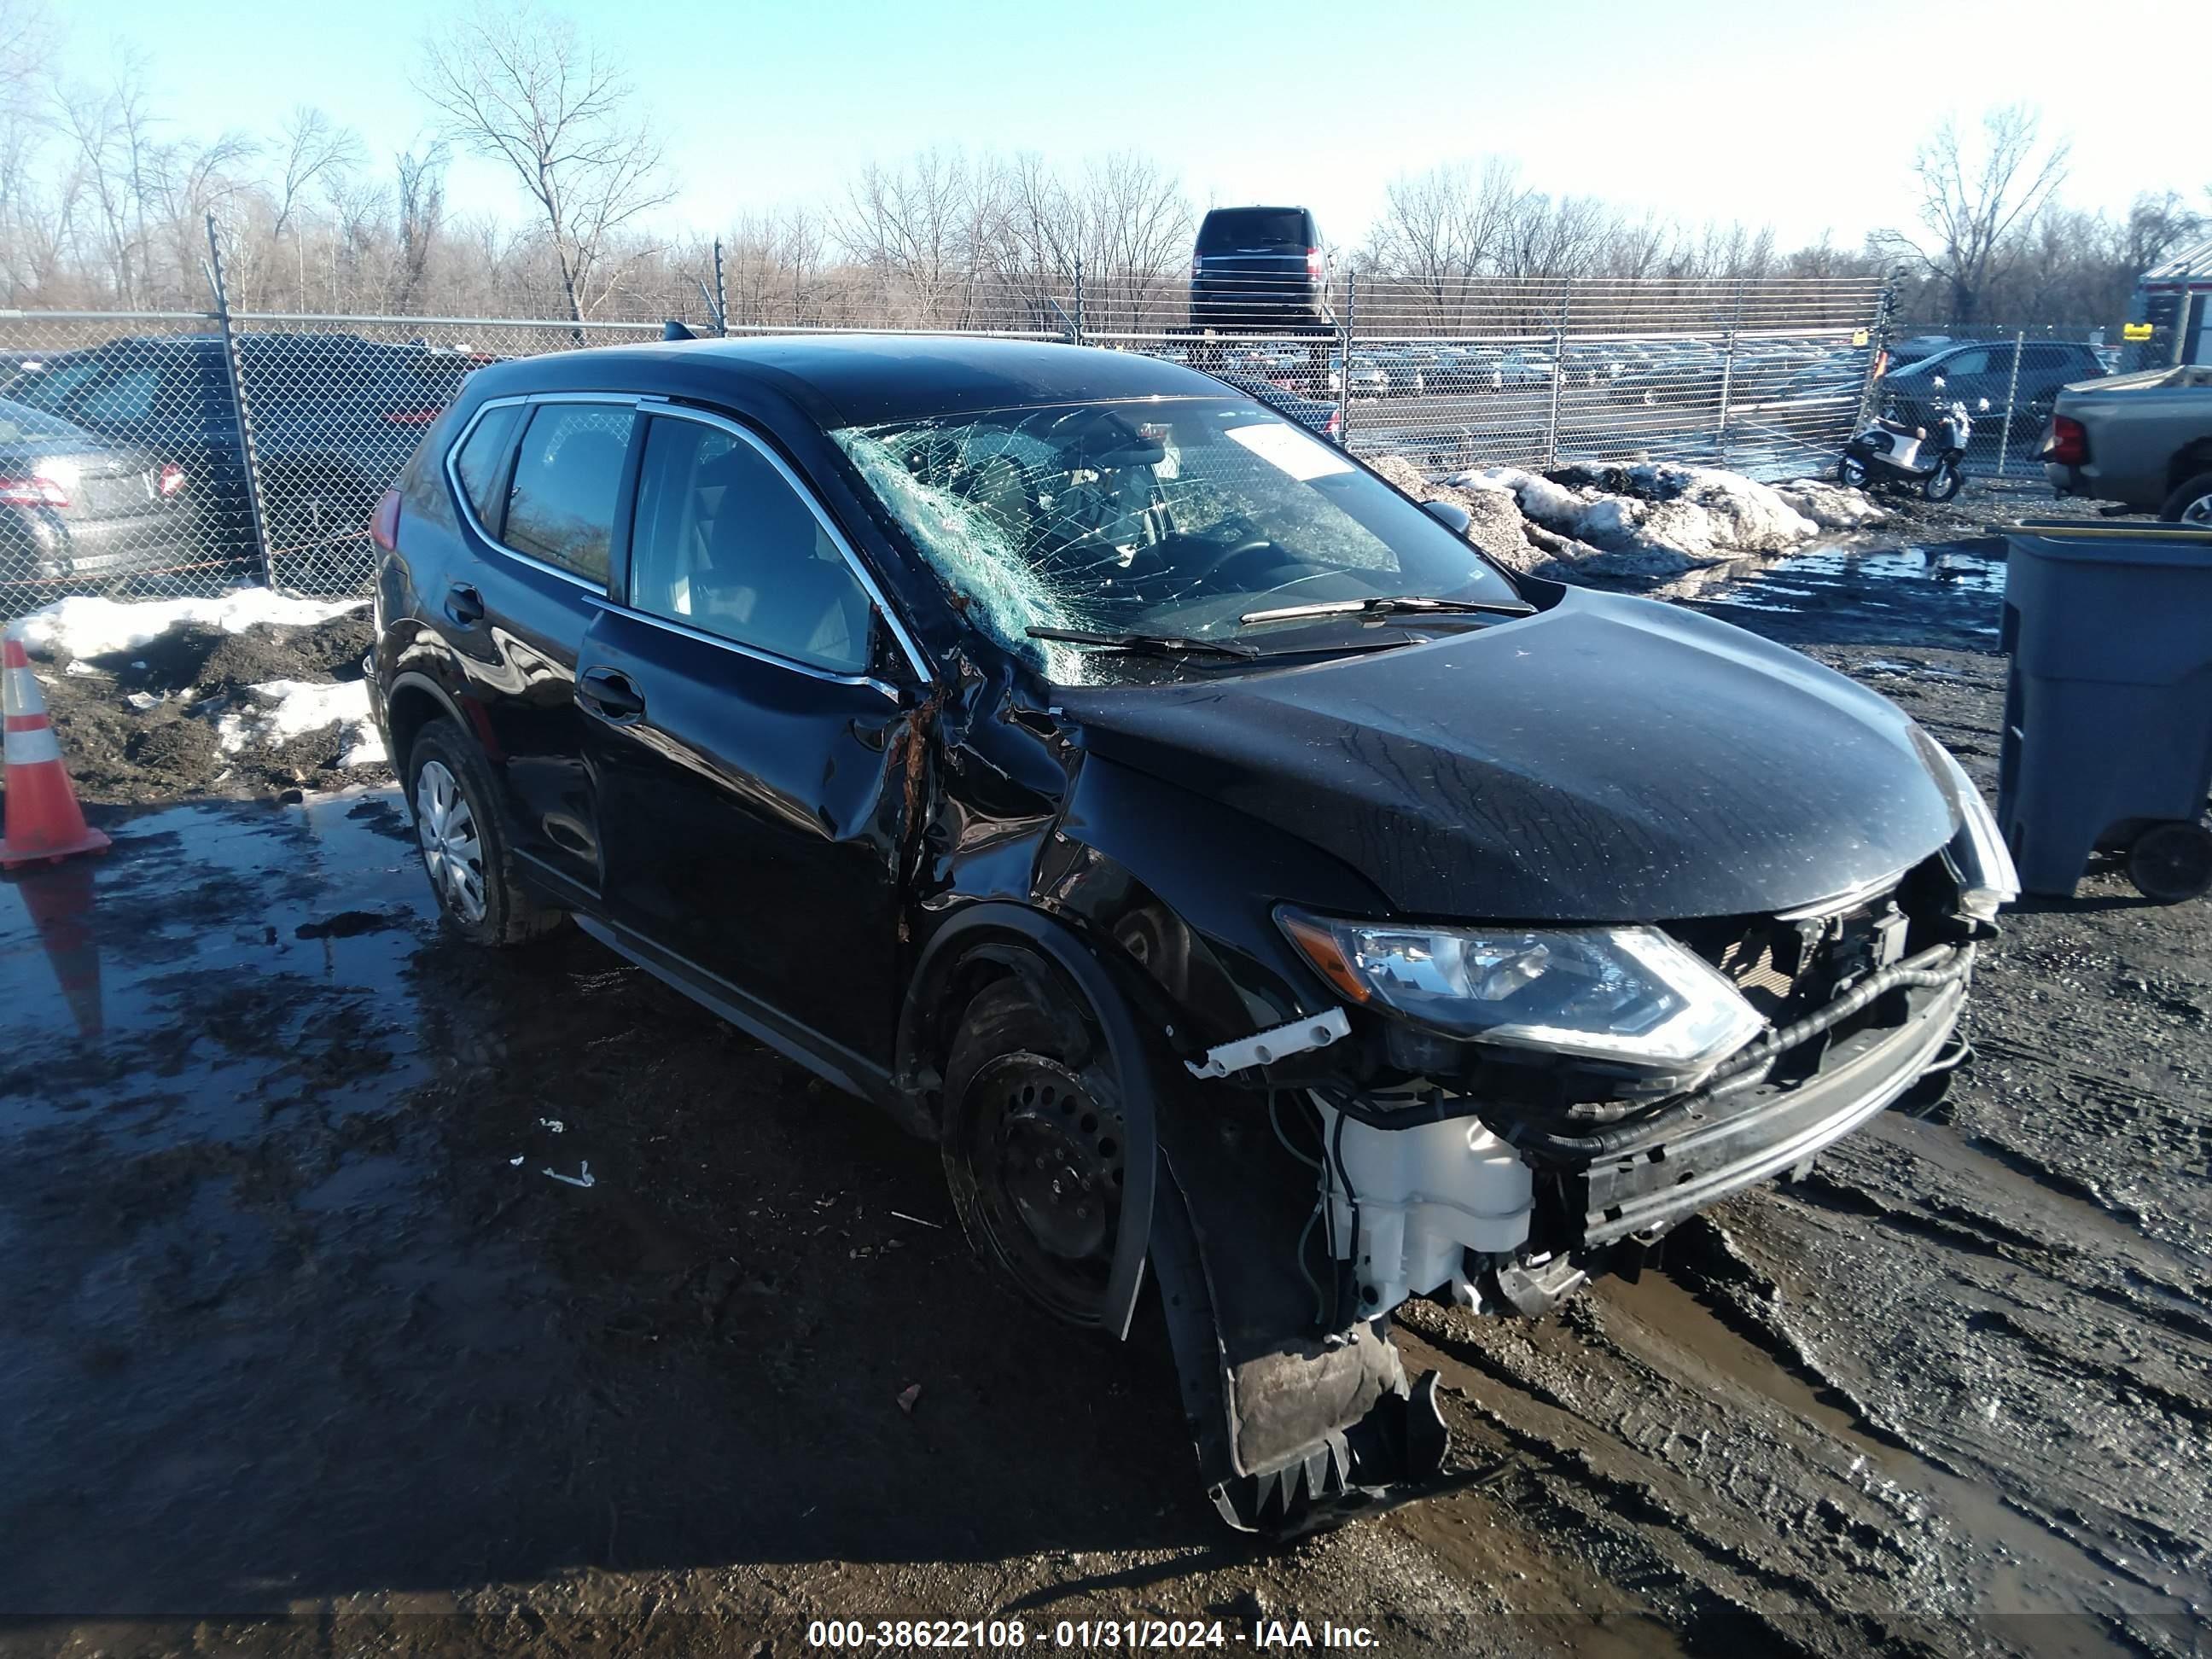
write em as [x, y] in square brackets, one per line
[1611, 759]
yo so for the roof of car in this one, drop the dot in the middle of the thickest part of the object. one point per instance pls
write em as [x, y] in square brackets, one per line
[862, 379]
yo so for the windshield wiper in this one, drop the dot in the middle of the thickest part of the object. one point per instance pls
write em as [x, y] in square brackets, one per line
[1384, 605]
[1145, 645]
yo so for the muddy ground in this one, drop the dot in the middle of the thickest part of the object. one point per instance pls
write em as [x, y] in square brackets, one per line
[301, 1315]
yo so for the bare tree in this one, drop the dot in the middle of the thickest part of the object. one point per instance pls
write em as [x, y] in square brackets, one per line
[1443, 228]
[1976, 197]
[421, 178]
[517, 85]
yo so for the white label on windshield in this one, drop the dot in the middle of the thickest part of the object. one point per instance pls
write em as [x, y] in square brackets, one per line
[1290, 450]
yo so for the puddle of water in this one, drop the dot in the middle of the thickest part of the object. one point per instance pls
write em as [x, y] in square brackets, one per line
[2028, 1568]
[1938, 593]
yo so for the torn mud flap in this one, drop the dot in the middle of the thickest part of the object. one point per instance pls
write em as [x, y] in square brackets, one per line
[1295, 1429]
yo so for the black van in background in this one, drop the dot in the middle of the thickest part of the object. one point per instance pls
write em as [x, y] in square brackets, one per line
[1257, 268]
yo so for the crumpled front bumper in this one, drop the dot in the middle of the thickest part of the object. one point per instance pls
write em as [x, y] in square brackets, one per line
[1649, 1181]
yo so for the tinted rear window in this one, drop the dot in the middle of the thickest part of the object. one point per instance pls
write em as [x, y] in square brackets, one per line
[1255, 228]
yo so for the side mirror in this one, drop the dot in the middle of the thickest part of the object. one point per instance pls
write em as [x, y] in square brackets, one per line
[1452, 516]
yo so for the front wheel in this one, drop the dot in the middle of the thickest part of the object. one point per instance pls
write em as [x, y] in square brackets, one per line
[1851, 472]
[1943, 483]
[1035, 1145]
[465, 851]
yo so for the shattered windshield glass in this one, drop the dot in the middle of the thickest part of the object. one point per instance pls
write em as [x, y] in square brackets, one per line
[1162, 517]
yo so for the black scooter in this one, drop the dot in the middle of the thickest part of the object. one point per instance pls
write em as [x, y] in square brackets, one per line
[1889, 453]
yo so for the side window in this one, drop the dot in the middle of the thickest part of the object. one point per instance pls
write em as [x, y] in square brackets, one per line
[128, 394]
[481, 465]
[722, 543]
[562, 506]
[52, 388]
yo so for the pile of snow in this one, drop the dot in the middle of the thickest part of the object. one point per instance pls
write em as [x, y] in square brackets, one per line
[1653, 522]
[284, 709]
[81, 627]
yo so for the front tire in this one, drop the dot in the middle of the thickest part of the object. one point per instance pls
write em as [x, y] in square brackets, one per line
[1943, 483]
[463, 847]
[1035, 1145]
[1851, 472]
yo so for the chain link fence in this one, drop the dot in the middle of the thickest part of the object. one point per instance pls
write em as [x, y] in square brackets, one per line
[154, 453]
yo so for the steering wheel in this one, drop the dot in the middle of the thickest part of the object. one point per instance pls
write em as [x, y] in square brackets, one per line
[1216, 564]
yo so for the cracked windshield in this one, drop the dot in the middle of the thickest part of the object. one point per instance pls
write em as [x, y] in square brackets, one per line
[1169, 520]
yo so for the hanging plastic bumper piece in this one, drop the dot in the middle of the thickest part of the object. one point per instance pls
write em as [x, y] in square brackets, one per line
[1294, 1430]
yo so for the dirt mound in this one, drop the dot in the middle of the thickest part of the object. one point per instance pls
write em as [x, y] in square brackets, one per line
[139, 725]
[209, 662]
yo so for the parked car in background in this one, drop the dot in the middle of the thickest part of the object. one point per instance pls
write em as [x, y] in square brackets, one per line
[1316, 414]
[1524, 366]
[1404, 372]
[2144, 440]
[1364, 378]
[1257, 269]
[1458, 371]
[1980, 375]
[1075, 757]
[334, 417]
[75, 510]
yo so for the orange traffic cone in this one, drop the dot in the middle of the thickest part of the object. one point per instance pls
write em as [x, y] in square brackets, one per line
[44, 820]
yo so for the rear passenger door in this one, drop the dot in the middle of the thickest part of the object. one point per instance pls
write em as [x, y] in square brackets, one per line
[741, 732]
[542, 479]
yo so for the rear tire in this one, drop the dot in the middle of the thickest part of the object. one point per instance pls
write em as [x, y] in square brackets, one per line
[452, 798]
[1034, 1144]
[2192, 504]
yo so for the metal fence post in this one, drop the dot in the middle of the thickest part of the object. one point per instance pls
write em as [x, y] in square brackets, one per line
[721, 295]
[1344, 359]
[1727, 375]
[1079, 299]
[235, 374]
[2012, 391]
[1878, 352]
[1558, 373]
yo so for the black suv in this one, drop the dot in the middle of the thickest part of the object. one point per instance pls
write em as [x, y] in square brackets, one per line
[1242, 882]
[1980, 375]
[334, 417]
[1259, 269]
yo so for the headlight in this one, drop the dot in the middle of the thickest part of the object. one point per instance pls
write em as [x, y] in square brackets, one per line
[1978, 860]
[1628, 995]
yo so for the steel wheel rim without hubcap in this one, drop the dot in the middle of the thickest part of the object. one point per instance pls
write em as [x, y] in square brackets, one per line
[1048, 1161]
[451, 850]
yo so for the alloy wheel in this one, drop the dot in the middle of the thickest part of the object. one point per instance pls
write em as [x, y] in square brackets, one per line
[2199, 511]
[451, 850]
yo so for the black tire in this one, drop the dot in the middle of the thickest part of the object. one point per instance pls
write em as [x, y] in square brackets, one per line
[2192, 504]
[2172, 863]
[505, 913]
[1034, 1145]
[1851, 472]
[1942, 484]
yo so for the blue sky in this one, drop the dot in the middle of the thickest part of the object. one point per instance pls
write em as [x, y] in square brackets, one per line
[1804, 117]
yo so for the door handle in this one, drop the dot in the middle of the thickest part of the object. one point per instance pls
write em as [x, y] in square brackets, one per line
[609, 696]
[464, 604]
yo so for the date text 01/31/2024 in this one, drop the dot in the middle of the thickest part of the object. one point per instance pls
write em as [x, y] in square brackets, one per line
[1007, 1635]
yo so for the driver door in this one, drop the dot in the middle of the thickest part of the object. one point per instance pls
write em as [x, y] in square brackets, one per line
[743, 743]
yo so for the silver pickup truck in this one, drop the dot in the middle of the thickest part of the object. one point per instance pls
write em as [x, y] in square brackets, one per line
[2141, 439]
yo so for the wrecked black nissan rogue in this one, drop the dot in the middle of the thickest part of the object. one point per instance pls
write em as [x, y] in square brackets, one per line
[1248, 886]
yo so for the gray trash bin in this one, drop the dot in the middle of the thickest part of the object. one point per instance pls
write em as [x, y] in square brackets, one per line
[2108, 705]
